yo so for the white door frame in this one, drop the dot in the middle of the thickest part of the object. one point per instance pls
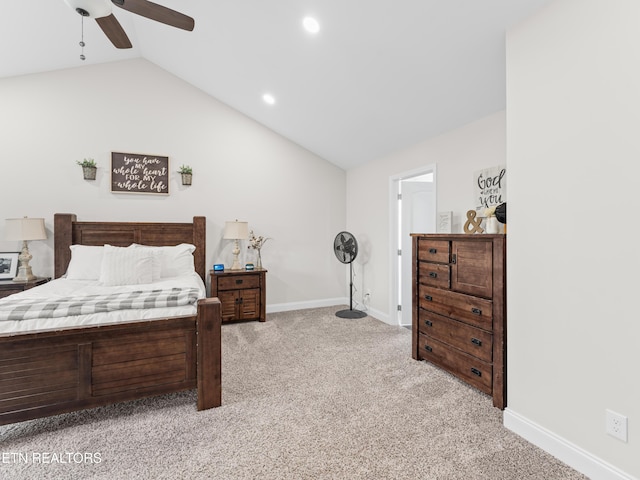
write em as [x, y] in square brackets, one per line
[394, 188]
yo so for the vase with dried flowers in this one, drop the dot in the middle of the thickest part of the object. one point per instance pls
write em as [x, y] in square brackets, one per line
[256, 242]
[491, 223]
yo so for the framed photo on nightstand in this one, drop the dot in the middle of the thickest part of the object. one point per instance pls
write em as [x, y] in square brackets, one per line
[8, 265]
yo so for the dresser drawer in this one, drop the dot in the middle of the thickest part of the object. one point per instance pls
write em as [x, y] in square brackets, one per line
[435, 274]
[471, 340]
[468, 368]
[234, 282]
[438, 251]
[473, 310]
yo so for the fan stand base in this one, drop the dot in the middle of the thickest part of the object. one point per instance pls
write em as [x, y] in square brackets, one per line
[350, 314]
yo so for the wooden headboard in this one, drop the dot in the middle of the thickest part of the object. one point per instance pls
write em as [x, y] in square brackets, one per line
[68, 231]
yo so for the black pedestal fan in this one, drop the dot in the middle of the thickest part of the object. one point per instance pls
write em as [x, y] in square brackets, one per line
[346, 249]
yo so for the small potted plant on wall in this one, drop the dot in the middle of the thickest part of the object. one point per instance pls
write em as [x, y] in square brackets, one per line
[186, 172]
[89, 168]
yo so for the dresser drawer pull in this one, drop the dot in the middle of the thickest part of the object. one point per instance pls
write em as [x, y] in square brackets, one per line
[428, 323]
[477, 342]
[476, 311]
[433, 274]
[239, 281]
[476, 372]
[433, 250]
[428, 348]
[429, 298]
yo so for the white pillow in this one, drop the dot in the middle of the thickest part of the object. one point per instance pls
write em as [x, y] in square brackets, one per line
[156, 261]
[86, 262]
[175, 261]
[126, 266]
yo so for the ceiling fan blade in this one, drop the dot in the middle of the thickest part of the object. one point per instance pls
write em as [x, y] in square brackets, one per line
[157, 12]
[114, 31]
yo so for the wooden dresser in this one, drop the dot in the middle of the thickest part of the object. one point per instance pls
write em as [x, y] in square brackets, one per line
[459, 308]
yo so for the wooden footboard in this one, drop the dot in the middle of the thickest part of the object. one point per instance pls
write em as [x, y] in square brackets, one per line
[209, 358]
[47, 373]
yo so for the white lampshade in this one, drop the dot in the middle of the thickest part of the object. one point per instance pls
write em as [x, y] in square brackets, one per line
[25, 229]
[236, 230]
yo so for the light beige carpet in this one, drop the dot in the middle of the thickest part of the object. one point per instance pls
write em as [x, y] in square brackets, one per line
[306, 395]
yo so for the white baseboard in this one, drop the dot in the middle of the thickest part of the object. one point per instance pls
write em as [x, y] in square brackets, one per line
[565, 451]
[287, 307]
[327, 302]
[383, 317]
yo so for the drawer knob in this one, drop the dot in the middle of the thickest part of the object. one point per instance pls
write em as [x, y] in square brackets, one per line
[239, 281]
[429, 298]
[428, 323]
[476, 372]
[476, 311]
[433, 250]
[433, 274]
[428, 348]
[477, 342]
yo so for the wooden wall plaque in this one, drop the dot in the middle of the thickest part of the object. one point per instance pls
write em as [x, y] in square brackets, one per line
[139, 173]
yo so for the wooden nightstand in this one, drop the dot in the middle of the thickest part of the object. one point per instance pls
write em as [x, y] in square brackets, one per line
[9, 287]
[242, 293]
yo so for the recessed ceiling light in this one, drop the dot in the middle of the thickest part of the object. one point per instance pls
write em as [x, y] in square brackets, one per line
[311, 25]
[268, 98]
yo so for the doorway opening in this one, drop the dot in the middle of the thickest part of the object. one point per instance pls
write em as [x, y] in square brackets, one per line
[413, 210]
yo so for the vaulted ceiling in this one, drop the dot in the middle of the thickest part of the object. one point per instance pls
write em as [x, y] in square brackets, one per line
[380, 75]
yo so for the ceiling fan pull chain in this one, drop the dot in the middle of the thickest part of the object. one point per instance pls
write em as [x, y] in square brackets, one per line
[82, 57]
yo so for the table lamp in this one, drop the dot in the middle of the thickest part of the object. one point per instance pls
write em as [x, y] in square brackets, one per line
[236, 231]
[25, 229]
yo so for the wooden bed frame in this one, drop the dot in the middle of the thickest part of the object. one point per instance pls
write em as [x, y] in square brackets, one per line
[50, 372]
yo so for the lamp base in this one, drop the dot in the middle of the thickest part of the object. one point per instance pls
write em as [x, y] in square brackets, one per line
[25, 275]
[24, 269]
[236, 259]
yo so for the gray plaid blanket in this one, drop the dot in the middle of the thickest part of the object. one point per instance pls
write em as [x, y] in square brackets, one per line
[29, 308]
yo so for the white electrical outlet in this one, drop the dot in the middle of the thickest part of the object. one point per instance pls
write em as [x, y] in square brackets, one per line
[616, 425]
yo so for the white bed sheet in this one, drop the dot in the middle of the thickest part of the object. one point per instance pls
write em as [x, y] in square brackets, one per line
[63, 287]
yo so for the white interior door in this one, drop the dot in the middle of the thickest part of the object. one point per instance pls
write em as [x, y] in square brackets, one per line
[417, 215]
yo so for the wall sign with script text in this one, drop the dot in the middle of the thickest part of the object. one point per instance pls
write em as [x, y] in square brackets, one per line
[139, 173]
[489, 187]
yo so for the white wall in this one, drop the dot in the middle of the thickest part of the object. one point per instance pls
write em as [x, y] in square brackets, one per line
[241, 170]
[573, 123]
[456, 154]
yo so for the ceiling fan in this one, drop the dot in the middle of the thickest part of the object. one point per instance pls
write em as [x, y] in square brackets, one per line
[101, 11]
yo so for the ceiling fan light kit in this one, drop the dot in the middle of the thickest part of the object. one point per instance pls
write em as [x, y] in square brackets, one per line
[101, 10]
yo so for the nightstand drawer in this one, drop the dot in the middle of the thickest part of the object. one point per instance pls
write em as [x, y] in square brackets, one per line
[234, 282]
[10, 291]
[9, 287]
